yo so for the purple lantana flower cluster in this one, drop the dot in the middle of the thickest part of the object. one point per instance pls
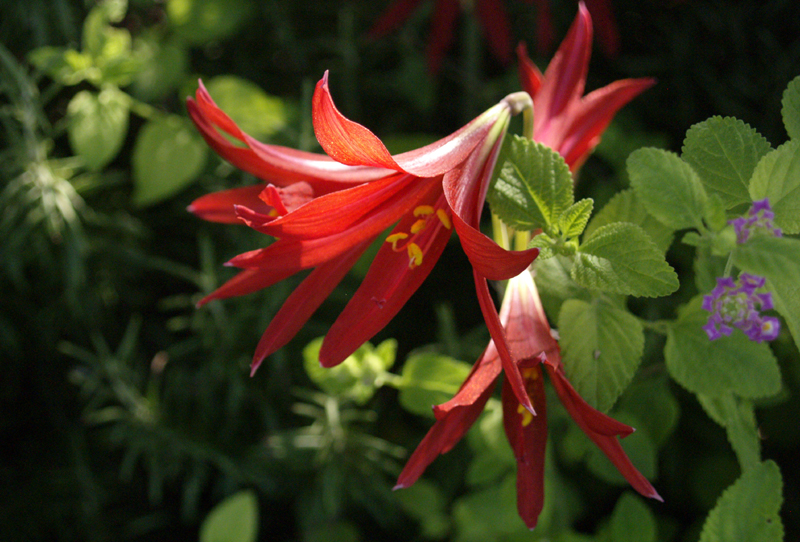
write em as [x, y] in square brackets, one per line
[735, 303]
[758, 219]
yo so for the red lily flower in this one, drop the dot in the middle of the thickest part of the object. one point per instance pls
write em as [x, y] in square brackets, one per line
[564, 119]
[330, 208]
[491, 14]
[533, 346]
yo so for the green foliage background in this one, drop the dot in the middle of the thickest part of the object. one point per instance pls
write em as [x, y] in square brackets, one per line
[127, 414]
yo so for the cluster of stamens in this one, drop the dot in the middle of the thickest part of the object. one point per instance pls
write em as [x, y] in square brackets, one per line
[528, 374]
[422, 213]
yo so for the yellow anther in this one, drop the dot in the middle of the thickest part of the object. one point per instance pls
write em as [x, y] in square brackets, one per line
[274, 213]
[394, 238]
[443, 218]
[530, 374]
[527, 417]
[414, 255]
[423, 210]
[418, 226]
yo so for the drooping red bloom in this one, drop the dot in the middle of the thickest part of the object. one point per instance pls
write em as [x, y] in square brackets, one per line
[491, 14]
[533, 347]
[564, 119]
[325, 211]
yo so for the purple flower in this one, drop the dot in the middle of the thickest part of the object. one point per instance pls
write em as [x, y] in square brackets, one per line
[735, 303]
[757, 220]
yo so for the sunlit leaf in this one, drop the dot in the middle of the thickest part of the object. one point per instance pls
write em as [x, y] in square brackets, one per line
[777, 177]
[98, 124]
[430, 379]
[233, 520]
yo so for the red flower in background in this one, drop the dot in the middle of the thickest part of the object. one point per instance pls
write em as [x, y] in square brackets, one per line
[564, 119]
[326, 210]
[491, 14]
[533, 347]
[603, 15]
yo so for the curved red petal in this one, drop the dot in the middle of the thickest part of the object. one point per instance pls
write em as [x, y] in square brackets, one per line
[529, 75]
[480, 378]
[388, 285]
[441, 438]
[528, 438]
[219, 206]
[343, 140]
[302, 303]
[247, 282]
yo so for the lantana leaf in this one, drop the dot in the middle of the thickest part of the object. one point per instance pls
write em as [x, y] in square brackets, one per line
[777, 177]
[233, 520]
[98, 124]
[791, 108]
[777, 259]
[729, 364]
[428, 379]
[602, 348]
[533, 186]
[573, 220]
[748, 510]
[620, 258]
[632, 520]
[668, 187]
[724, 152]
[738, 418]
[626, 207]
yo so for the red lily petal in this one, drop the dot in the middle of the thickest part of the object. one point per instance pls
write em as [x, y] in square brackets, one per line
[593, 115]
[392, 18]
[247, 282]
[565, 76]
[288, 198]
[302, 303]
[496, 28]
[481, 377]
[497, 333]
[528, 438]
[388, 285]
[218, 206]
[344, 140]
[487, 257]
[441, 33]
[441, 438]
[601, 429]
[335, 212]
[529, 75]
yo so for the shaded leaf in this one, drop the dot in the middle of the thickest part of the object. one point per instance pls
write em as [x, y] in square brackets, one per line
[777, 177]
[625, 207]
[791, 108]
[233, 520]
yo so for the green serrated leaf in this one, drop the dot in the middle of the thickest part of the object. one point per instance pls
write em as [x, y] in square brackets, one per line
[777, 177]
[791, 108]
[724, 152]
[157, 174]
[668, 188]
[97, 125]
[429, 379]
[777, 259]
[253, 110]
[533, 187]
[620, 258]
[738, 418]
[602, 348]
[632, 520]
[233, 520]
[748, 510]
[573, 220]
[732, 364]
[625, 207]
[357, 377]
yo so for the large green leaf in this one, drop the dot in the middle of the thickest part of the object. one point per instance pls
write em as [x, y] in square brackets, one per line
[724, 152]
[233, 520]
[732, 364]
[625, 207]
[777, 177]
[791, 108]
[357, 377]
[668, 188]
[534, 185]
[98, 124]
[748, 510]
[602, 347]
[428, 379]
[620, 258]
[738, 418]
[777, 259]
[168, 155]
